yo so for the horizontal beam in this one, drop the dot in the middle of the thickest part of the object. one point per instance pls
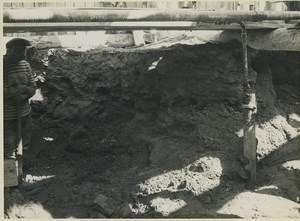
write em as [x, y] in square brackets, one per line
[93, 26]
[115, 15]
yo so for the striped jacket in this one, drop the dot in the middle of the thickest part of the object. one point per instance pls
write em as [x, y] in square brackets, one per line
[16, 76]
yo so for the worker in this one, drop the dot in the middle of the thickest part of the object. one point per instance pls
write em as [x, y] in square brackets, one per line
[18, 87]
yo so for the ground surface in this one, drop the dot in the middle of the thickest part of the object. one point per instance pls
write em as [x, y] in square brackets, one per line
[158, 133]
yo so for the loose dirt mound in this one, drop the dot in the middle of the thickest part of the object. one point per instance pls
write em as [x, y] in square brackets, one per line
[158, 133]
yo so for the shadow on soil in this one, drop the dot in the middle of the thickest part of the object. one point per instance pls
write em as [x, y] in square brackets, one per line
[205, 205]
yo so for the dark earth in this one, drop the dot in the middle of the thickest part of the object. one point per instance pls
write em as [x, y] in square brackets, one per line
[157, 133]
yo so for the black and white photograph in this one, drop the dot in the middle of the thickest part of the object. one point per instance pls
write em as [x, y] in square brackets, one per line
[150, 109]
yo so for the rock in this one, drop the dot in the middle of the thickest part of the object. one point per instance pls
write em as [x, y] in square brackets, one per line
[242, 174]
[196, 168]
[125, 211]
[294, 120]
[182, 185]
[171, 184]
[206, 199]
[105, 205]
[96, 214]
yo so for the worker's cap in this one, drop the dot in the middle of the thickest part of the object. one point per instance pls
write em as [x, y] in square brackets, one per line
[18, 42]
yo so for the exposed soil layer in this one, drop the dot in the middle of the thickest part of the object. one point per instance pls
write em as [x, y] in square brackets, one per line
[158, 133]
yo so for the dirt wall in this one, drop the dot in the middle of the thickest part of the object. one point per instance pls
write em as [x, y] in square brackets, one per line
[140, 126]
[89, 94]
[101, 87]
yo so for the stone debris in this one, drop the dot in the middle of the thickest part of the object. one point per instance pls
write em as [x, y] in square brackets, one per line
[125, 211]
[105, 205]
[182, 185]
[96, 214]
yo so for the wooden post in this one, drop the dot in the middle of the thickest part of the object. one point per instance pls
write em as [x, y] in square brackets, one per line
[249, 105]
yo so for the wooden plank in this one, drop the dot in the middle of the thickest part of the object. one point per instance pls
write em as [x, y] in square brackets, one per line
[10, 173]
[138, 36]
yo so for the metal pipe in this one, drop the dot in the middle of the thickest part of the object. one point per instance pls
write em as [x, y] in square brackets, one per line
[141, 25]
[245, 52]
[250, 109]
[113, 15]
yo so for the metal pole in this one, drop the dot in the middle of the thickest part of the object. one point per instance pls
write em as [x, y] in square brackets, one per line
[121, 14]
[250, 109]
[135, 25]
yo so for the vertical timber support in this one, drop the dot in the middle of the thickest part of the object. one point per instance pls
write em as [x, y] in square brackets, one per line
[250, 109]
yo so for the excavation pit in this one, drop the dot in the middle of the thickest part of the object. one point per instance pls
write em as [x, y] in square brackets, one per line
[157, 132]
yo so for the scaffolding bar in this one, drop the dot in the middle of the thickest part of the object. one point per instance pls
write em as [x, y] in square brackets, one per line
[118, 15]
[93, 26]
